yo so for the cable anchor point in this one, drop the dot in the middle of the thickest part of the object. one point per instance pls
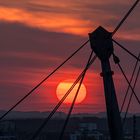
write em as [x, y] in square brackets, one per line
[116, 59]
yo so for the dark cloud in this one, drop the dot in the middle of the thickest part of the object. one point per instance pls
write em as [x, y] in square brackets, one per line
[40, 45]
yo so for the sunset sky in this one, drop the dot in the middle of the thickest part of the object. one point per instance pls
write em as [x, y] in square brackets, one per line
[37, 35]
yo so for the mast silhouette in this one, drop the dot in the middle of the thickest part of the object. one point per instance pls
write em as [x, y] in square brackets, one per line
[101, 44]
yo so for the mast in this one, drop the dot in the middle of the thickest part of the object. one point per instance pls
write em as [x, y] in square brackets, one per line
[101, 44]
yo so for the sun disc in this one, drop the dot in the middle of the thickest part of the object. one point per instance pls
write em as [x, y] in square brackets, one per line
[63, 87]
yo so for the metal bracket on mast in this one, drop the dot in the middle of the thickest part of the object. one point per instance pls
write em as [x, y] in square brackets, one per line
[101, 44]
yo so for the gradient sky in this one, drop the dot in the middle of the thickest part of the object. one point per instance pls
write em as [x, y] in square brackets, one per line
[37, 35]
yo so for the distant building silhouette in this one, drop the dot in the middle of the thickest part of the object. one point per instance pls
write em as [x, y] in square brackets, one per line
[7, 130]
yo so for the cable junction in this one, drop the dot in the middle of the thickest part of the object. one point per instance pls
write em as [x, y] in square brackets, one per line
[29, 93]
[116, 60]
[130, 99]
[131, 79]
[61, 101]
[72, 105]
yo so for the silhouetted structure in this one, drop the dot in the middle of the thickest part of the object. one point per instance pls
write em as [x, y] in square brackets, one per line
[101, 44]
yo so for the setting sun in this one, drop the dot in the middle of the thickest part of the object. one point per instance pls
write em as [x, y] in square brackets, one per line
[63, 87]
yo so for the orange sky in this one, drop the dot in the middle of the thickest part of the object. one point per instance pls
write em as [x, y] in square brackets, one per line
[67, 16]
[37, 35]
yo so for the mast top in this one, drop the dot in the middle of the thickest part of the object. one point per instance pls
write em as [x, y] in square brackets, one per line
[101, 43]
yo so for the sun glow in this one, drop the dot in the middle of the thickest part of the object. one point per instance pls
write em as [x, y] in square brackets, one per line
[63, 87]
